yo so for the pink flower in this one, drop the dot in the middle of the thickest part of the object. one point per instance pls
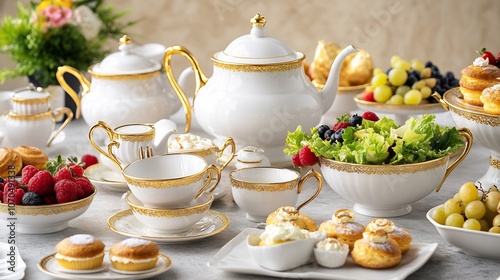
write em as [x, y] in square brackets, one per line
[56, 16]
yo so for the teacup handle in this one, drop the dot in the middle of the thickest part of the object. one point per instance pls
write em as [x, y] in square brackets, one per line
[229, 142]
[319, 178]
[56, 114]
[109, 154]
[209, 184]
[467, 134]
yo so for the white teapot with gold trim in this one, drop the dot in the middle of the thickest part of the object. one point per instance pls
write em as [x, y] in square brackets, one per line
[257, 93]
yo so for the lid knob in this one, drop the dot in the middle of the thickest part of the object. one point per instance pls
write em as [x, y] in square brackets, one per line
[124, 40]
[258, 20]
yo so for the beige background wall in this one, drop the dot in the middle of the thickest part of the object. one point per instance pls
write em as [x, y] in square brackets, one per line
[446, 32]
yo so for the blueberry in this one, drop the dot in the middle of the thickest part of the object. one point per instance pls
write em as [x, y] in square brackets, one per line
[355, 120]
[338, 135]
[322, 129]
[2, 180]
[328, 134]
[32, 198]
[388, 70]
[411, 80]
[449, 75]
[415, 74]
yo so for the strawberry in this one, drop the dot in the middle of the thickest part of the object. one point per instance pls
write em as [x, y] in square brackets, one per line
[26, 174]
[340, 125]
[296, 161]
[42, 183]
[488, 55]
[370, 116]
[307, 157]
[89, 160]
[75, 169]
[67, 191]
[368, 96]
[63, 174]
[85, 185]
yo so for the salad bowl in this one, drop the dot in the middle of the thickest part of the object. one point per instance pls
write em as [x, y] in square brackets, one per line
[484, 126]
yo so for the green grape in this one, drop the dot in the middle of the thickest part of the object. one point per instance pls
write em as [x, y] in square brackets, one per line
[475, 210]
[418, 85]
[405, 65]
[426, 73]
[394, 59]
[492, 200]
[457, 196]
[452, 205]
[496, 221]
[484, 225]
[377, 71]
[472, 224]
[379, 79]
[455, 220]
[398, 76]
[417, 64]
[382, 93]
[395, 99]
[401, 90]
[438, 215]
[413, 97]
[468, 192]
[426, 92]
[493, 188]
[494, 230]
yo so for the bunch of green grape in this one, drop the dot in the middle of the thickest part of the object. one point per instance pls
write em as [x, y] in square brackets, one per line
[471, 208]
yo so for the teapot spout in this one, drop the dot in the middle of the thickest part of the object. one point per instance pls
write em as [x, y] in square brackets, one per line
[327, 95]
[164, 129]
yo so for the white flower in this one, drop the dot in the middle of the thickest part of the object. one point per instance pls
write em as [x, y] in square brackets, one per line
[88, 22]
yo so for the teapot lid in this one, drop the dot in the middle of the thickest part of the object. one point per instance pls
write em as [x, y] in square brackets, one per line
[125, 61]
[250, 154]
[257, 47]
[30, 92]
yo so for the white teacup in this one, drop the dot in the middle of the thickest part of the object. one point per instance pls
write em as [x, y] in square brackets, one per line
[171, 220]
[261, 190]
[170, 180]
[126, 140]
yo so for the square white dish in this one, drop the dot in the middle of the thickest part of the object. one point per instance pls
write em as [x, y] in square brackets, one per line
[234, 257]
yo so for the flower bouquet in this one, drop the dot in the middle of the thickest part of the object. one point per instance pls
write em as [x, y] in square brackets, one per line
[51, 33]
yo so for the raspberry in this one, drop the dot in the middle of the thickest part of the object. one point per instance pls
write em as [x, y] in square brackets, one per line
[85, 185]
[63, 174]
[296, 160]
[9, 187]
[307, 157]
[26, 174]
[1, 196]
[15, 197]
[49, 199]
[370, 116]
[89, 160]
[340, 125]
[66, 191]
[42, 183]
[76, 170]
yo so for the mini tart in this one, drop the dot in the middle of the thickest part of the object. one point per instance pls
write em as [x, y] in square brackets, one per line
[491, 100]
[376, 250]
[331, 253]
[11, 162]
[291, 215]
[80, 252]
[400, 235]
[343, 227]
[32, 156]
[134, 254]
[475, 79]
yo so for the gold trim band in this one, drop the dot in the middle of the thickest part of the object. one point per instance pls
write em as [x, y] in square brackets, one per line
[477, 118]
[165, 183]
[495, 163]
[31, 101]
[200, 152]
[148, 135]
[383, 169]
[172, 212]
[263, 187]
[41, 116]
[274, 67]
[122, 77]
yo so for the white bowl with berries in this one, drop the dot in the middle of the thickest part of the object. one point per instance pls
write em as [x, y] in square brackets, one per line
[382, 167]
[470, 220]
[44, 201]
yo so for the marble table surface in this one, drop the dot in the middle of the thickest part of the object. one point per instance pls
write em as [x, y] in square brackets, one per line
[189, 260]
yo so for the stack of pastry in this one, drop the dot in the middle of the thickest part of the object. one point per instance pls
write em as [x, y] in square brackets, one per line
[291, 215]
[476, 78]
[400, 235]
[376, 250]
[13, 160]
[343, 227]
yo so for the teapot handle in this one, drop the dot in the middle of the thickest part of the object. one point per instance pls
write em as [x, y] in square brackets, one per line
[56, 115]
[200, 79]
[83, 82]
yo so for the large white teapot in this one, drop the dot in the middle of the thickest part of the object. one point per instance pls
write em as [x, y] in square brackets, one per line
[257, 93]
[126, 88]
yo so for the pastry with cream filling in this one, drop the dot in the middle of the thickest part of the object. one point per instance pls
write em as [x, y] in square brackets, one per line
[11, 163]
[343, 227]
[134, 254]
[477, 77]
[400, 235]
[291, 215]
[80, 252]
[376, 250]
[491, 99]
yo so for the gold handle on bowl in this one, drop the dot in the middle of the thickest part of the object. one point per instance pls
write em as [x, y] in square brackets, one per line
[113, 143]
[467, 134]
[56, 115]
[438, 97]
[312, 173]
[83, 82]
[229, 142]
[210, 184]
[200, 78]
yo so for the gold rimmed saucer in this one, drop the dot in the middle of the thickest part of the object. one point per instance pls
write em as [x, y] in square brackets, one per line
[96, 174]
[125, 223]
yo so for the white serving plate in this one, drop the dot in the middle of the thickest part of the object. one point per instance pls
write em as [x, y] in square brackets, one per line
[234, 257]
